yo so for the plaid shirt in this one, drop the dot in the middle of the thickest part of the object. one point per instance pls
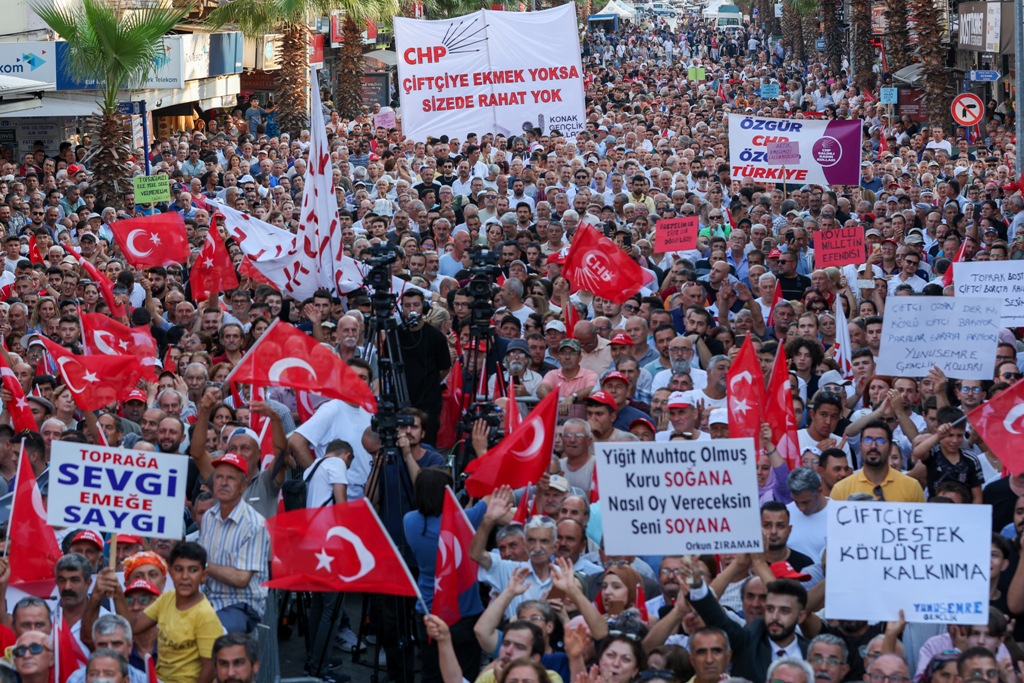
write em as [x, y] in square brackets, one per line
[241, 541]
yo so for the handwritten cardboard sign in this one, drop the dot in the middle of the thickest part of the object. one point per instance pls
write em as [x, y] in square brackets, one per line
[838, 247]
[676, 234]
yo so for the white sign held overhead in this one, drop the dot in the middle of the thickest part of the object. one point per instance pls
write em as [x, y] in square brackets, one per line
[1002, 281]
[927, 560]
[679, 496]
[500, 72]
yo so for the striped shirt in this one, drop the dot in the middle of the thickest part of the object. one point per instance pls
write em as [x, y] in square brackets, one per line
[241, 541]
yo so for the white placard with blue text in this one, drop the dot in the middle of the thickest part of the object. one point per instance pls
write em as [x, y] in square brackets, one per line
[679, 497]
[931, 561]
[119, 490]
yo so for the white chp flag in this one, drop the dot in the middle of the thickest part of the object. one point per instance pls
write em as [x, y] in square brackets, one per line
[844, 348]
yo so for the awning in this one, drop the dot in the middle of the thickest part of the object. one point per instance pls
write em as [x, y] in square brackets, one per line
[54, 104]
[911, 75]
[389, 57]
[12, 85]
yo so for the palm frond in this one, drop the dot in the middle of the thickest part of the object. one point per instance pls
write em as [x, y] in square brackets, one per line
[253, 17]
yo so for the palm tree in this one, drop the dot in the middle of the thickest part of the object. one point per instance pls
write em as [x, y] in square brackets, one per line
[863, 52]
[898, 37]
[117, 49]
[795, 13]
[834, 38]
[290, 18]
[936, 78]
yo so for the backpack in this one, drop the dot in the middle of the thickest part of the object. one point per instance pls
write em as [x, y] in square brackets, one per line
[293, 490]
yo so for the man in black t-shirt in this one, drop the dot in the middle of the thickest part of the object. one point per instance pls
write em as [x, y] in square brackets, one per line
[427, 361]
[775, 530]
[793, 284]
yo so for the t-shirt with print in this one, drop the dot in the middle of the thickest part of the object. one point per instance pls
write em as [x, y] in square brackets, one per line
[185, 637]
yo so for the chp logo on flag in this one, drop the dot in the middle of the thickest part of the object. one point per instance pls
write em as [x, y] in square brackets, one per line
[459, 38]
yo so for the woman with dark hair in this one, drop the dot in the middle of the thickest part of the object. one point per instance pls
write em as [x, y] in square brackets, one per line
[422, 528]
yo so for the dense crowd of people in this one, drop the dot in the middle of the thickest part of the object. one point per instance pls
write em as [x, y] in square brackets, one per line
[550, 604]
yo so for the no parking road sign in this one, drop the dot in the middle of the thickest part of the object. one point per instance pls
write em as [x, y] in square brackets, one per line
[967, 109]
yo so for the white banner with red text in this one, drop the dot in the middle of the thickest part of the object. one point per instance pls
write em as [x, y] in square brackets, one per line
[491, 72]
[829, 150]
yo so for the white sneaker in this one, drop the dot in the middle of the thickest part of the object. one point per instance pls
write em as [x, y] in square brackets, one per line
[347, 638]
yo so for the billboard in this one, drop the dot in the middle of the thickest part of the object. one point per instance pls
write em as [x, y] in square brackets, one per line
[830, 150]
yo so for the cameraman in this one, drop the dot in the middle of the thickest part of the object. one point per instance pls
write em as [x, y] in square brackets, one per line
[427, 361]
[517, 371]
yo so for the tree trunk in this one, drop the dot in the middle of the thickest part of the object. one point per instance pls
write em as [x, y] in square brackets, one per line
[936, 79]
[349, 98]
[107, 158]
[809, 30]
[293, 87]
[863, 53]
[791, 35]
[898, 35]
[834, 43]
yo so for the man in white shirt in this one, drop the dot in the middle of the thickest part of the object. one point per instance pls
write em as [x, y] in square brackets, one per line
[807, 513]
[327, 478]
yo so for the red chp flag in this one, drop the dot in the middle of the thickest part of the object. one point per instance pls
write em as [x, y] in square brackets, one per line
[598, 265]
[745, 395]
[95, 381]
[104, 283]
[336, 548]
[21, 415]
[778, 412]
[213, 272]
[287, 357]
[156, 240]
[32, 546]
[520, 458]
[102, 335]
[454, 570]
[1000, 424]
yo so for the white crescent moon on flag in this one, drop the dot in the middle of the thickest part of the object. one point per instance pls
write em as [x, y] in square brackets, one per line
[538, 441]
[365, 557]
[130, 242]
[67, 380]
[1012, 416]
[274, 373]
[97, 339]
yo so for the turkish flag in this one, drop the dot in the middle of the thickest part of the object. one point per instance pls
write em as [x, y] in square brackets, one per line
[512, 415]
[102, 335]
[261, 424]
[844, 347]
[1000, 424]
[451, 407]
[336, 548]
[572, 316]
[454, 570]
[157, 240]
[778, 412]
[34, 254]
[287, 357]
[95, 381]
[213, 272]
[307, 402]
[32, 547]
[523, 509]
[597, 265]
[595, 493]
[776, 298]
[170, 365]
[745, 395]
[520, 458]
[21, 415]
[68, 656]
[106, 286]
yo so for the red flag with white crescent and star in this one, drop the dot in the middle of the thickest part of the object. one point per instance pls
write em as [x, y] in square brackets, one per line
[520, 458]
[213, 272]
[18, 408]
[454, 571]
[157, 240]
[745, 394]
[31, 546]
[285, 356]
[336, 548]
[102, 335]
[776, 298]
[95, 381]
[778, 412]
[1000, 424]
[106, 286]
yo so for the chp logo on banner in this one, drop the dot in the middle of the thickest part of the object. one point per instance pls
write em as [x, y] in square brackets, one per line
[500, 72]
[119, 490]
[829, 150]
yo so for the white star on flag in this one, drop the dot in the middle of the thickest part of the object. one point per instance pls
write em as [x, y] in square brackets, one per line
[154, 239]
[22, 403]
[740, 406]
[323, 560]
[90, 377]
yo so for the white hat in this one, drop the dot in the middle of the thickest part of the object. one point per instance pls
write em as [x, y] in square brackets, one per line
[718, 416]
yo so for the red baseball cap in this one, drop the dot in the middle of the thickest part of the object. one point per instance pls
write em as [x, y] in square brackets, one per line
[235, 460]
[643, 421]
[136, 395]
[556, 258]
[90, 536]
[141, 585]
[784, 570]
[774, 253]
[615, 374]
[623, 339]
[603, 398]
[75, 169]
[129, 538]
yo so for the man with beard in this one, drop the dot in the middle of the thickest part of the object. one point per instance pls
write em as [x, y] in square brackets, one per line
[517, 371]
[775, 530]
[236, 658]
[572, 543]
[876, 478]
[680, 357]
[763, 640]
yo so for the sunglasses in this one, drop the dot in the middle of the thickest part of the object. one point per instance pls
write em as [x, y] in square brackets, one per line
[139, 599]
[1011, 375]
[33, 649]
[653, 674]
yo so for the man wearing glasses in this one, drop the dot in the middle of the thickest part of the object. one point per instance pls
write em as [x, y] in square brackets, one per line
[33, 657]
[908, 274]
[876, 478]
[888, 668]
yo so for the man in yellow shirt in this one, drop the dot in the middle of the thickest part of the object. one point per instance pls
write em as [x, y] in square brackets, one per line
[188, 623]
[876, 478]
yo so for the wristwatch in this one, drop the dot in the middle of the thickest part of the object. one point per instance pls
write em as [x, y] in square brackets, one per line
[574, 396]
